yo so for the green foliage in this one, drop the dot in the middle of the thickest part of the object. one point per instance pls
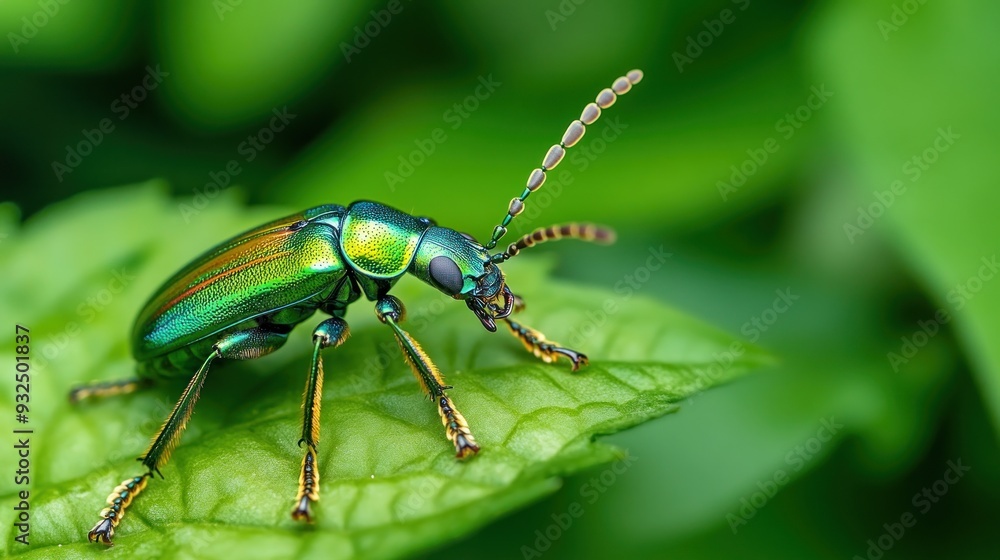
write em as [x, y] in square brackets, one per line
[390, 484]
[898, 70]
[944, 222]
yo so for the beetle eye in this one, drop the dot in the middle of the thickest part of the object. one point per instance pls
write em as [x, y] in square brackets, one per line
[469, 237]
[426, 221]
[446, 274]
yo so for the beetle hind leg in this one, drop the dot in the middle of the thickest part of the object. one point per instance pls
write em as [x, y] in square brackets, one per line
[240, 345]
[101, 389]
[332, 332]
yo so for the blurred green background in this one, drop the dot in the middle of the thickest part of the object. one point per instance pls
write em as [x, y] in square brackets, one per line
[838, 152]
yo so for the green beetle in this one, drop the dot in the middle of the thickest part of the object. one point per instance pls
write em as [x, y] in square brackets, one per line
[241, 299]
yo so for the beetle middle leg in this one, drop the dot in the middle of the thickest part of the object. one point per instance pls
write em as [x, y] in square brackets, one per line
[391, 312]
[331, 332]
[240, 345]
[536, 343]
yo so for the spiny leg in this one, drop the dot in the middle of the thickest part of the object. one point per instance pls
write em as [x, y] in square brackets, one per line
[332, 332]
[391, 312]
[158, 453]
[536, 343]
[102, 389]
[119, 499]
[241, 345]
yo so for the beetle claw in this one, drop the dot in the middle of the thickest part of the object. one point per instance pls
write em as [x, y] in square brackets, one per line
[480, 310]
[464, 448]
[103, 532]
[303, 511]
[575, 357]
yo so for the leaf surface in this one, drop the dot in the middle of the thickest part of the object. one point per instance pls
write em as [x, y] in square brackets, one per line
[390, 485]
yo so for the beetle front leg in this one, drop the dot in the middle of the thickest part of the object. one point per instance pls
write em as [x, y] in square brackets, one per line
[241, 345]
[332, 332]
[391, 312]
[536, 343]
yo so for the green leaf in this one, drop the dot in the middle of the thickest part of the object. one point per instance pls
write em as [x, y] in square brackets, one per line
[390, 484]
[894, 118]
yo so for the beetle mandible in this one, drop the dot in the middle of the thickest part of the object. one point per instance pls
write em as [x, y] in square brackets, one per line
[242, 298]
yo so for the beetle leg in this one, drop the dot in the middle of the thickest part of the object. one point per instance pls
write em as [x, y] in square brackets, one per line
[119, 499]
[391, 312]
[536, 343]
[332, 332]
[548, 351]
[100, 389]
[161, 447]
[240, 345]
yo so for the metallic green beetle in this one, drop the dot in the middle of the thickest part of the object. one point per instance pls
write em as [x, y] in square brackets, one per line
[242, 298]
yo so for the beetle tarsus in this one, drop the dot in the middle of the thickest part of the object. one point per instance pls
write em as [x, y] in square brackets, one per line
[118, 501]
[102, 532]
[308, 488]
[456, 428]
[546, 350]
[579, 360]
[303, 511]
[465, 449]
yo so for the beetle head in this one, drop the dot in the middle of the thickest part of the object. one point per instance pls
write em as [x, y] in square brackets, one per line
[459, 266]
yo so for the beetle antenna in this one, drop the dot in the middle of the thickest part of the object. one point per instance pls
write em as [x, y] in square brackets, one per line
[583, 232]
[573, 134]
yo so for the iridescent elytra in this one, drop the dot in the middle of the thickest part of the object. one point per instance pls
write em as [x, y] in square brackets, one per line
[241, 299]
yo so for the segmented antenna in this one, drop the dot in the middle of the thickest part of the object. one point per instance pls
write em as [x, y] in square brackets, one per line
[556, 153]
[584, 232]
